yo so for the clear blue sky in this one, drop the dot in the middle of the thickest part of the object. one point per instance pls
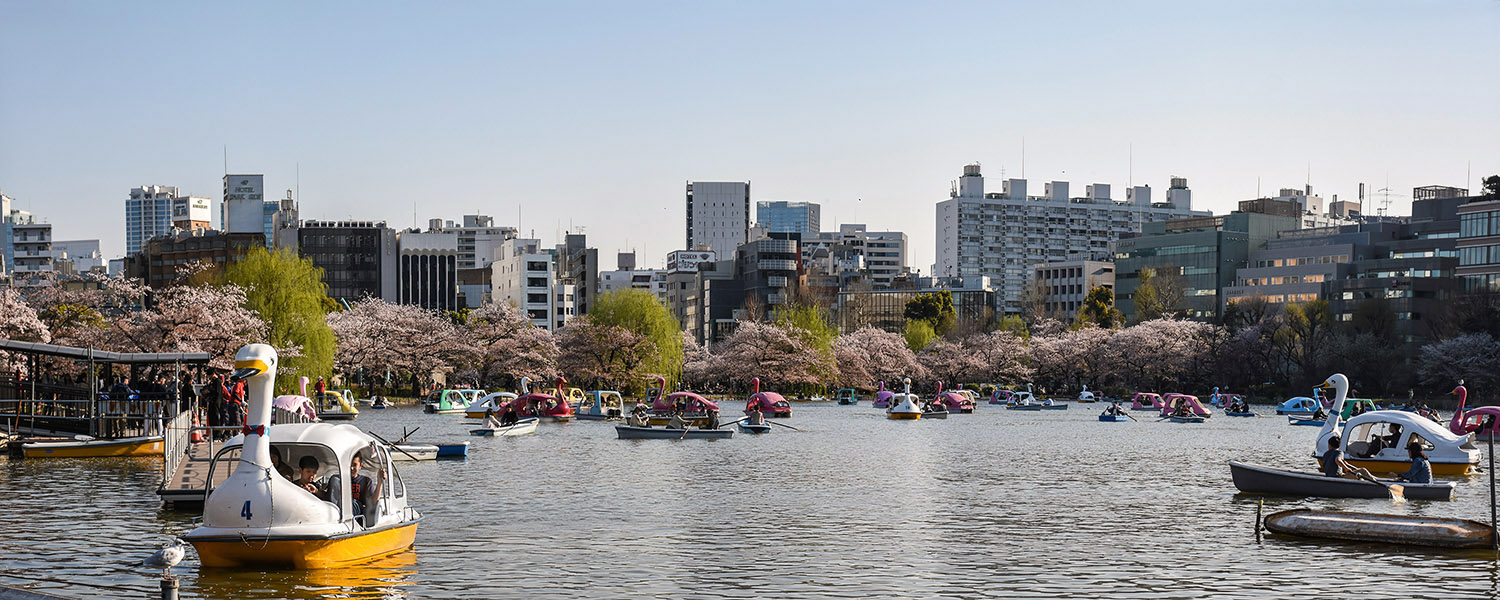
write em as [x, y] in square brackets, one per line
[593, 115]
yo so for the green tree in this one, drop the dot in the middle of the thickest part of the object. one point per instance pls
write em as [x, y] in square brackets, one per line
[919, 334]
[1099, 309]
[1492, 187]
[811, 324]
[287, 292]
[1013, 324]
[640, 312]
[1303, 338]
[936, 308]
[1147, 300]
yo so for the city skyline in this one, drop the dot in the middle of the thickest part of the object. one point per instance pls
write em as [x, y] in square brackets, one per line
[590, 119]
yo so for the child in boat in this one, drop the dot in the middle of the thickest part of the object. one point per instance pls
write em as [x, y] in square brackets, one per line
[307, 470]
[1421, 470]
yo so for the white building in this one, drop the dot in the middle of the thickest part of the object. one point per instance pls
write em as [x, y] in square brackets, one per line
[1003, 235]
[243, 209]
[31, 245]
[153, 210]
[884, 253]
[77, 256]
[428, 271]
[479, 240]
[651, 280]
[522, 275]
[718, 215]
[1067, 283]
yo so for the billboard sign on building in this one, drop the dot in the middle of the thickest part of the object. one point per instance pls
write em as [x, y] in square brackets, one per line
[686, 261]
[190, 209]
[244, 203]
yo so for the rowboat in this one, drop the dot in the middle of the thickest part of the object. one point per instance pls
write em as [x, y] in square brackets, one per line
[1113, 418]
[1309, 421]
[89, 447]
[1193, 419]
[1388, 529]
[755, 427]
[522, 427]
[410, 451]
[1023, 407]
[935, 414]
[627, 432]
[1257, 479]
[1239, 414]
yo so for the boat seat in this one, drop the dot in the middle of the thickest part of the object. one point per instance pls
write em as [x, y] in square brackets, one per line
[1359, 449]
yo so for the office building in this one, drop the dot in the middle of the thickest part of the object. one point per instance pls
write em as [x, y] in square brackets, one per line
[1066, 283]
[880, 256]
[789, 217]
[1478, 245]
[973, 299]
[153, 210]
[161, 257]
[428, 271]
[718, 215]
[1199, 257]
[359, 258]
[1003, 235]
[769, 270]
[578, 266]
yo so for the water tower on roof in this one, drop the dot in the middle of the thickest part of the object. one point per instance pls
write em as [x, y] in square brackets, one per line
[971, 185]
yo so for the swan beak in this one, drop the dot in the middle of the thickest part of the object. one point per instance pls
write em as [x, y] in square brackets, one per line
[1326, 385]
[245, 369]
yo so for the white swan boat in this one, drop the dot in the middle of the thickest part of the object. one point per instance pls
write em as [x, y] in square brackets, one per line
[1447, 453]
[256, 518]
[906, 405]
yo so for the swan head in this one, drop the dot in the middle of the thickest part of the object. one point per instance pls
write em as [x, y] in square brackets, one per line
[253, 361]
[1336, 382]
[907, 382]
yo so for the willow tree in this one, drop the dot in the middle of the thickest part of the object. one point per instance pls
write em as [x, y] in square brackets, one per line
[288, 293]
[642, 314]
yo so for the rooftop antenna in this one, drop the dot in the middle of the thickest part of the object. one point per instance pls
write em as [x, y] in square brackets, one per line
[414, 214]
[1130, 168]
[1023, 157]
[299, 184]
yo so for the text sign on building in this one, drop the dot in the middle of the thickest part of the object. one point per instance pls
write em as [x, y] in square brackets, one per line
[244, 187]
[685, 261]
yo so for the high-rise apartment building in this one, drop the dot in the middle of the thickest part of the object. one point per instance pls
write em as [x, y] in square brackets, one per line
[718, 215]
[523, 276]
[789, 217]
[1003, 235]
[153, 210]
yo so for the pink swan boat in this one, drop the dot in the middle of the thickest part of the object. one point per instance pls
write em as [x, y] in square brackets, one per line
[771, 404]
[883, 397]
[953, 401]
[1147, 401]
[1000, 396]
[547, 407]
[694, 407]
[1469, 421]
[1171, 401]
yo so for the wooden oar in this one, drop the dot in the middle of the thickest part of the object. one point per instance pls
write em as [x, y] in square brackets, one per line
[732, 422]
[406, 434]
[1397, 491]
[780, 425]
[398, 449]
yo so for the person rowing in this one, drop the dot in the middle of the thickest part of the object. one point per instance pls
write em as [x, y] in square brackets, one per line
[640, 416]
[753, 414]
[676, 421]
[1334, 464]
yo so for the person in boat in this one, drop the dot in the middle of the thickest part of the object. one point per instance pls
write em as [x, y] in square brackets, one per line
[1334, 464]
[676, 421]
[490, 422]
[640, 416]
[1319, 415]
[510, 416]
[753, 415]
[1393, 439]
[282, 469]
[362, 490]
[711, 421]
[307, 472]
[1421, 470]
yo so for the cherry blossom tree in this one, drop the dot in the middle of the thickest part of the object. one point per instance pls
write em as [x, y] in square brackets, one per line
[378, 338]
[774, 354]
[505, 345]
[608, 355]
[869, 355]
[18, 321]
[1471, 357]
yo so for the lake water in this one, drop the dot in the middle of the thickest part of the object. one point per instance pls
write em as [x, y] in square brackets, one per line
[1005, 504]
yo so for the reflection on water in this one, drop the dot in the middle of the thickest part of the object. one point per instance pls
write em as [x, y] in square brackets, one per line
[995, 504]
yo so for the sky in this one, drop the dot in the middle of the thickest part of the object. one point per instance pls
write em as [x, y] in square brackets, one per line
[591, 116]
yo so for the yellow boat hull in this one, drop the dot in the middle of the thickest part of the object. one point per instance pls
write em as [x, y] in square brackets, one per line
[151, 447]
[904, 416]
[305, 553]
[1395, 466]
